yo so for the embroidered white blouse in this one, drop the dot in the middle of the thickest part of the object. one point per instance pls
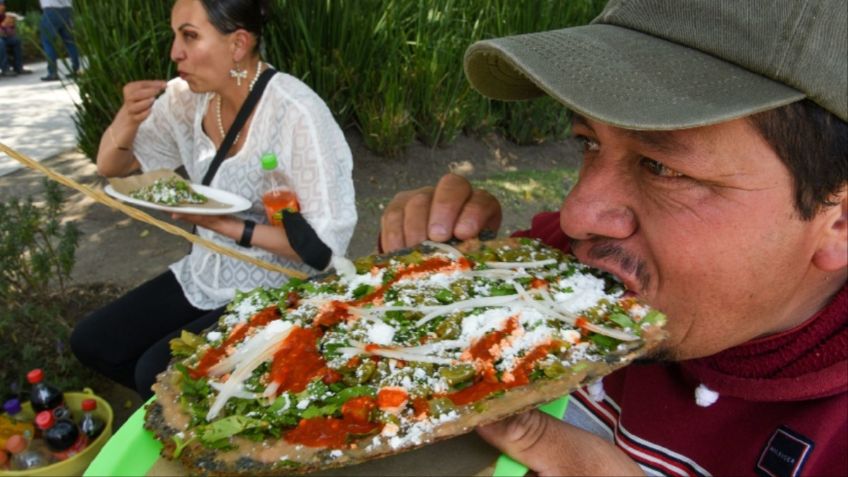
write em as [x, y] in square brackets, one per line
[314, 160]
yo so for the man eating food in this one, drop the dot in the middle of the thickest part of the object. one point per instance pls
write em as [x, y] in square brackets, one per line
[714, 185]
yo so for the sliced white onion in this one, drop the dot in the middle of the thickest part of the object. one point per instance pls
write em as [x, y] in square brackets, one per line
[396, 354]
[239, 393]
[477, 302]
[514, 265]
[260, 348]
[444, 248]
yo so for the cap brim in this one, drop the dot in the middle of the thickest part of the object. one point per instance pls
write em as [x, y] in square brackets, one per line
[622, 77]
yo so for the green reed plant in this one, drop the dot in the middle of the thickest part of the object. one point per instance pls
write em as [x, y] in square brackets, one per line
[123, 41]
[391, 68]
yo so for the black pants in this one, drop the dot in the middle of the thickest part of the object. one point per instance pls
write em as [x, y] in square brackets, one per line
[127, 340]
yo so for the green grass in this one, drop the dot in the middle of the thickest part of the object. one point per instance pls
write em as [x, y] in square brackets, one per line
[543, 190]
[391, 68]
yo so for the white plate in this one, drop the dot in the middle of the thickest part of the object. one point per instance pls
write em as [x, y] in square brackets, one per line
[235, 202]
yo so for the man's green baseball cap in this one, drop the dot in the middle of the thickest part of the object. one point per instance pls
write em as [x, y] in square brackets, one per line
[674, 64]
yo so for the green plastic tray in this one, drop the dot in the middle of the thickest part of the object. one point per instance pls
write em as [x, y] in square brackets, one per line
[133, 450]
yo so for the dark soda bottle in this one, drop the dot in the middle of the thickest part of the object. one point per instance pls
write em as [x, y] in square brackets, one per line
[43, 396]
[90, 424]
[63, 437]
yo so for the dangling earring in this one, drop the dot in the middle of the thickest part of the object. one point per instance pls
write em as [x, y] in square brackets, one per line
[237, 73]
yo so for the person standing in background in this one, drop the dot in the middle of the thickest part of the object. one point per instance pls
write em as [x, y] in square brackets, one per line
[9, 38]
[56, 20]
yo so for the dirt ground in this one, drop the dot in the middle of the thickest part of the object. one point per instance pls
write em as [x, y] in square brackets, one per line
[120, 252]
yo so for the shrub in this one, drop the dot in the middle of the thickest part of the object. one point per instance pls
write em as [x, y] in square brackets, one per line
[391, 68]
[36, 258]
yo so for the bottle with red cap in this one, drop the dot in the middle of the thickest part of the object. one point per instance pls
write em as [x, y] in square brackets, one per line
[62, 436]
[45, 397]
[90, 424]
[25, 456]
[4, 460]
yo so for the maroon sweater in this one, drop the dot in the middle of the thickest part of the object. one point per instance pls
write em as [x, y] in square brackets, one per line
[782, 405]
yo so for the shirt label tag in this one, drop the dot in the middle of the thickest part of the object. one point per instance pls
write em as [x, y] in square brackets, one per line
[784, 454]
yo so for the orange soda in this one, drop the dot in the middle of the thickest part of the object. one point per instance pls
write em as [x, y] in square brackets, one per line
[277, 197]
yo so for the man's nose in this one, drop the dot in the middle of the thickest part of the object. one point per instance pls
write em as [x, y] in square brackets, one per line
[598, 205]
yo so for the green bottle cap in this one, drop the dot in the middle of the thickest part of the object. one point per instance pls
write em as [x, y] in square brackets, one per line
[269, 161]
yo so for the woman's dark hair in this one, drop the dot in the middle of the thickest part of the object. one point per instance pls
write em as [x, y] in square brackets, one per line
[228, 16]
[813, 144]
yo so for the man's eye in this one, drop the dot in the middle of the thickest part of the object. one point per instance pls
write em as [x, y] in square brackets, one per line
[589, 145]
[659, 169]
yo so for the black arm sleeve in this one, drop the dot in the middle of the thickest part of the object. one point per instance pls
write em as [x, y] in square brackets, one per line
[305, 241]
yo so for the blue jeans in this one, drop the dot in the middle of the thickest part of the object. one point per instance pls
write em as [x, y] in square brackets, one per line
[15, 43]
[57, 22]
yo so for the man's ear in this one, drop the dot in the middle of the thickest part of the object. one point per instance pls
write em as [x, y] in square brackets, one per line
[832, 252]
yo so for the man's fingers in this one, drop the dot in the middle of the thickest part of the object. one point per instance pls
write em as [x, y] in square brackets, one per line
[415, 218]
[481, 212]
[524, 437]
[549, 446]
[393, 229]
[450, 196]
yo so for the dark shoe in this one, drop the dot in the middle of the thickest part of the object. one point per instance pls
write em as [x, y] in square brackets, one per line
[50, 78]
[24, 71]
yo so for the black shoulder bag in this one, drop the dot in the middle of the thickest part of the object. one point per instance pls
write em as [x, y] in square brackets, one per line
[238, 123]
[302, 236]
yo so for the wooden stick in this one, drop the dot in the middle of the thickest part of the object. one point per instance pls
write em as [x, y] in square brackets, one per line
[105, 199]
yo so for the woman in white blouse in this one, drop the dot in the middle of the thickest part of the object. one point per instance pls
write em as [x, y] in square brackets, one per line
[216, 50]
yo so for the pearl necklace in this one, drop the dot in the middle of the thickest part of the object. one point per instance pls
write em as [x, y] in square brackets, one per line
[218, 109]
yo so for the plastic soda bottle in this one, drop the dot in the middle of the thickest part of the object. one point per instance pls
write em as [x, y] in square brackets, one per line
[14, 422]
[63, 437]
[90, 424]
[25, 456]
[43, 396]
[277, 197]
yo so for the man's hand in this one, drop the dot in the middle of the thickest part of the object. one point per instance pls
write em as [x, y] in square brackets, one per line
[452, 209]
[139, 97]
[549, 446]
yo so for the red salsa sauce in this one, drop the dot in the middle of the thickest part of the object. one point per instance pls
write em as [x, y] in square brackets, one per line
[298, 361]
[483, 387]
[335, 432]
[486, 381]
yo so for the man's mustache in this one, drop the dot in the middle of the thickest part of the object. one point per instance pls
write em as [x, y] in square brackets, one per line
[604, 249]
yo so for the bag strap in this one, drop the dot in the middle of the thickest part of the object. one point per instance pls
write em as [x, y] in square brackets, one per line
[238, 123]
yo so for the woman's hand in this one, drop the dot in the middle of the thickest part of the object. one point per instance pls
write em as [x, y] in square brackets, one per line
[115, 157]
[452, 209]
[139, 97]
[226, 225]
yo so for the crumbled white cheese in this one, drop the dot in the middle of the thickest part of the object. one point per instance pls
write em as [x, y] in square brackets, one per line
[381, 333]
[586, 291]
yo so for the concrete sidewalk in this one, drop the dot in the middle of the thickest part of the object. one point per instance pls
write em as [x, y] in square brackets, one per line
[36, 117]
